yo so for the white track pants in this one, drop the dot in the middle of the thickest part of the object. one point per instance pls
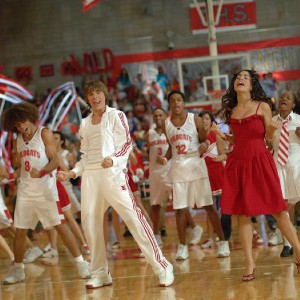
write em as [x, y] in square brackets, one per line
[99, 190]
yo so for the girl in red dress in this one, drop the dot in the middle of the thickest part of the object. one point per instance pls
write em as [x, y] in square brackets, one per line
[214, 157]
[251, 184]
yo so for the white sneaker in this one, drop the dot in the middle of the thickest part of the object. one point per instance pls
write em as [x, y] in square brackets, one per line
[47, 247]
[275, 238]
[207, 244]
[223, 249]
[257, 239]
[32, 254]
[182, 252]
[166, 276]
[101, 279]
[50, 253]
[83, 268]
[15, 274]
[196, 235]
[158, 240]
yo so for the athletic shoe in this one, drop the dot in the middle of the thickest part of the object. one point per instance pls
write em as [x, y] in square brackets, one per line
[166, 276]
[47, 247]
[196, 235]
[223, 249]
[116, 245]
[85, 250]
[101, 279]
[257, 239]
[207, 244]
[275, 238]
[83, 268]
[286, 251]
[50, 253]
[15, 274]
[158, 240]
[182, 252]
[32, 254]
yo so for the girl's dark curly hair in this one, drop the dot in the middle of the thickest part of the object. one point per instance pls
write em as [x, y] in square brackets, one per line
[18, 113]
[229, 99]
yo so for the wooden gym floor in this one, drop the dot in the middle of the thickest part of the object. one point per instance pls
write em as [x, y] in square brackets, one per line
[202, 276]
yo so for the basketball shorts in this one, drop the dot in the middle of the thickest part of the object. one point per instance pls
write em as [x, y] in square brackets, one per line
[28, 213]
[158, 190]
[192, 193]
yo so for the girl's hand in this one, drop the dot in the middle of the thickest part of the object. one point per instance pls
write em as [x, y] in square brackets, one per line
[203, 147]
[274, 125]
[215, 128]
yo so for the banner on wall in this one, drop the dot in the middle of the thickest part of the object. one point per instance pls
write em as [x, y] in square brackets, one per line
[235, 15]
[23, 73]
[88, 4]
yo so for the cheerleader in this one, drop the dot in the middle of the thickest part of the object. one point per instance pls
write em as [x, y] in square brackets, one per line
[214, 157]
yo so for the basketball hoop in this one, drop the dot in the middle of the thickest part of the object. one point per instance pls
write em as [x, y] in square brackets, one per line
[215, 95]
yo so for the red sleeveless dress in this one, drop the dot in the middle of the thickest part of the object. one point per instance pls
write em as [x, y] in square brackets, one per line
[251, 184]
[215, 168]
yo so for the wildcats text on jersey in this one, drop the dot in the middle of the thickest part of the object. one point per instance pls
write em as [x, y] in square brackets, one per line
[29, 152]
[180, 136]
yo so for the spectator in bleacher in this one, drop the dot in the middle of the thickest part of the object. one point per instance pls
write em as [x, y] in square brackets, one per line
[140, 84]
[162, 78]
[186, 76]
[123, 83]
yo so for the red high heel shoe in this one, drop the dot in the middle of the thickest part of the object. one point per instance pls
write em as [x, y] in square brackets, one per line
[251, 276]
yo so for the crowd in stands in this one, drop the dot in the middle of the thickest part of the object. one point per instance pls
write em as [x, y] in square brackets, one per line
[137, 98]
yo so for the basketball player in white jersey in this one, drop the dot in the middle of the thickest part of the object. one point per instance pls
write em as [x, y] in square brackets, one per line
[188, 172]
[105, 147]
[6, 222]
[157, 145]
[37, 197]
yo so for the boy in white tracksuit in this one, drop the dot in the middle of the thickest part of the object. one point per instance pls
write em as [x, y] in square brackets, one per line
[105, 147]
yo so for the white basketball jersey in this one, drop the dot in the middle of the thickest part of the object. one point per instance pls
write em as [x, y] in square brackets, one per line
[186, 165]
[33, 155]
[158, 147]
